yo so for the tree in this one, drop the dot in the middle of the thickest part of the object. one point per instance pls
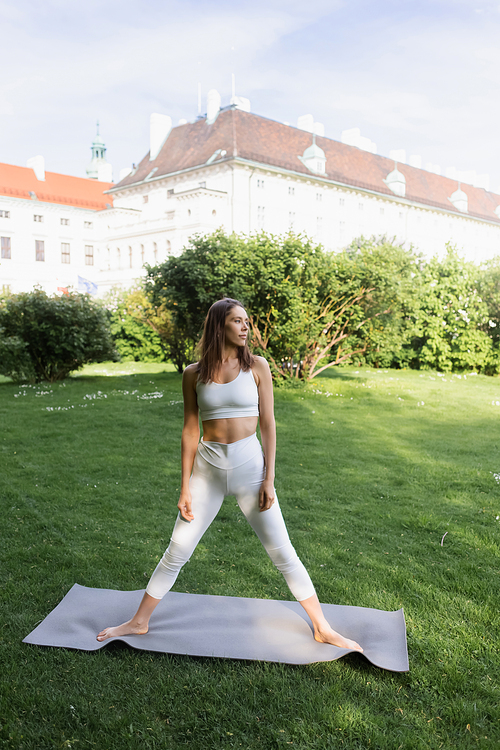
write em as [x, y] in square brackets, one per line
[46, 338]
[452, 318]
[285, 282]
[384, 317]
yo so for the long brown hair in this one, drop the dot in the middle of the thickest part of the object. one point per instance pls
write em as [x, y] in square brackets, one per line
[213, 339]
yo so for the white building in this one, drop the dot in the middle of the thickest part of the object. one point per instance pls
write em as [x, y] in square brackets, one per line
[246, 173]
[235, 170]
[50, 228]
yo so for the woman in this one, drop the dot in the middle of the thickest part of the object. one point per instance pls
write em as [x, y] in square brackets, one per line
[233, 391]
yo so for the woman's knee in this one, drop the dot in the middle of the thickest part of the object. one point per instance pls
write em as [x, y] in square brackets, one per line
[175, 557]
[284, 558]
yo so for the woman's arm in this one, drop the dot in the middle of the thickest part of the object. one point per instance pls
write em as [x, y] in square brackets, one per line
[267, 430]
[190, 438]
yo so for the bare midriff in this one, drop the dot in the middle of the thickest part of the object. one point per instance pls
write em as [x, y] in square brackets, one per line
[229, 430]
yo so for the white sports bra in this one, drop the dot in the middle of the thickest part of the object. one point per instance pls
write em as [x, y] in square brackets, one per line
[239, 398]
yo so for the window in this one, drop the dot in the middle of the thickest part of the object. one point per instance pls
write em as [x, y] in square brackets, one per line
[145, 198]
[118, 257]
[342, 226]
[360, 206]
[142, 254]
[170, 193]
[260, 183]
[341, 201]
[291, 218]
[40, 250]
[38, 217]
[202, 184]
[65, 252]
[214, 212]
[87, 225]
[319, 224]
[319, 197]
[381, 211]
[261, 211]
[65, 222]
[169, 247]
[155, 251]
[5, 214]
[401, 216]
[6, 248]
[130, 259]
[189, 212]
[89, 255]
[291, 190]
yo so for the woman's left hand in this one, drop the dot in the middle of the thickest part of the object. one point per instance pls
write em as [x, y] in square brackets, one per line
[266, 495]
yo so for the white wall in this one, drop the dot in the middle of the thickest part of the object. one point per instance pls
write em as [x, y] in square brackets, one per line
[246, 199]
[22, 271]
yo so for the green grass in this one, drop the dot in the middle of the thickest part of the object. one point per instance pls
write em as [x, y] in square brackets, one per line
[370, 481]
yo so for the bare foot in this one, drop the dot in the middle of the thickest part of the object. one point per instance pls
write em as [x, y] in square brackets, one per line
[331, 636]
[127, 628]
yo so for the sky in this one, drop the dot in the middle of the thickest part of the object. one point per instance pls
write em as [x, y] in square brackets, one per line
[421, 76]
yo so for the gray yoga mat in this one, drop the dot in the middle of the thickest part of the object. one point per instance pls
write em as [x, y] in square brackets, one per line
[224, 626]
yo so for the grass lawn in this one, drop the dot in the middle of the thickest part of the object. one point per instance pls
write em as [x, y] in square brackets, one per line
[389, 482]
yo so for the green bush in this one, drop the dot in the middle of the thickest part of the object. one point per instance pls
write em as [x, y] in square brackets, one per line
[452, 318]
[133, 335]
[392, 276]
[46, 338]
[15, 360]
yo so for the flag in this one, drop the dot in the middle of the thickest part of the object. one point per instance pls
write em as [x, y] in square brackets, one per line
[84, 285]
[63, 289]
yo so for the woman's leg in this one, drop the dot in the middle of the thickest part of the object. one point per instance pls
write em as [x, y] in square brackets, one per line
[270, 527]
[207, 485]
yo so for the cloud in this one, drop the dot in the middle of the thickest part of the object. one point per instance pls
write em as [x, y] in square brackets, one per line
[422, 76]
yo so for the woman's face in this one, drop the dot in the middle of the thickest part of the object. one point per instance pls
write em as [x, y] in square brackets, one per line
[236, 327]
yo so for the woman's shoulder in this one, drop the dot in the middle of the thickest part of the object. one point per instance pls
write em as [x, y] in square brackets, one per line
[260, 368]
[190, 374]
[259, 363]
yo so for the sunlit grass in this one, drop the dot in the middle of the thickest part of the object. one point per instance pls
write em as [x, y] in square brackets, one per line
[389, 482]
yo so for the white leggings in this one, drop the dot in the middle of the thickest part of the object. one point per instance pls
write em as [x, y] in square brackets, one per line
[233, 469]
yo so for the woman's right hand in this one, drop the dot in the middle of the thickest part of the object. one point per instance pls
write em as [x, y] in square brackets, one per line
[184, 505]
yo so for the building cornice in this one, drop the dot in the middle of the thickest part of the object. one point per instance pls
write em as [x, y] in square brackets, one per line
[353, 186]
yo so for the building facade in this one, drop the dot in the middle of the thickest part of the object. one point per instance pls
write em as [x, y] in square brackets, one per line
[245, 173]
[50, 229]
[230, 169]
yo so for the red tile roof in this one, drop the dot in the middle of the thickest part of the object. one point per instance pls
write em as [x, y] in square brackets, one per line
[18, 182]
[257, 139]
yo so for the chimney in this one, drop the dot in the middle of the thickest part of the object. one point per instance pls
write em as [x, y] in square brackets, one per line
[306, 122]
[105, 172]
[398, 154]
[241, 102]
[353, 137]
[159, 128]
[213, 105]
[37, 164]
